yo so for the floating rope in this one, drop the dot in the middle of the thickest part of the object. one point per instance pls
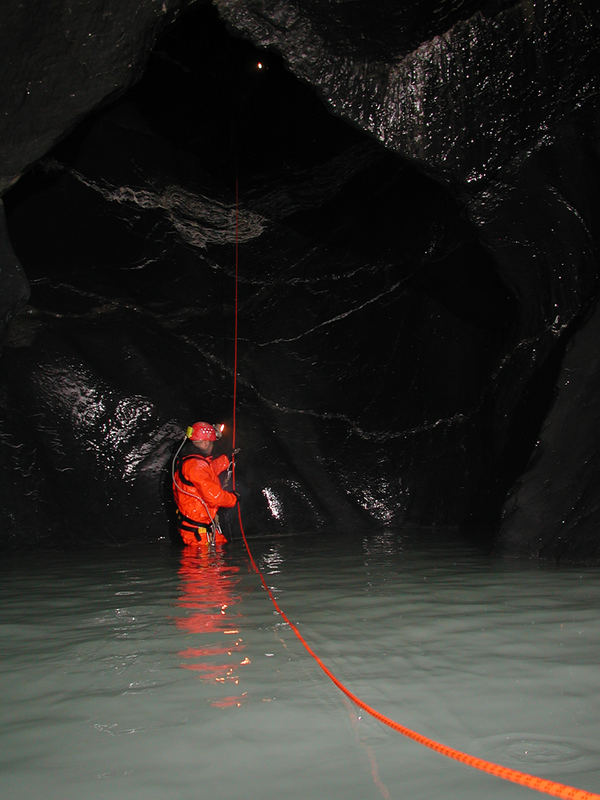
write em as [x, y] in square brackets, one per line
[544, 785]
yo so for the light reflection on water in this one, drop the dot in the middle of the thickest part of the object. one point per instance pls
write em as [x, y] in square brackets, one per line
[208, 590]
[157, 672]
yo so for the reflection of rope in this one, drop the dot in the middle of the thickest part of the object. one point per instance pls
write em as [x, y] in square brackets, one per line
[354, 720]
[506, 773]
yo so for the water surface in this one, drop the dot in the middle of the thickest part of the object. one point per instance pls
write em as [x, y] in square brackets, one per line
[157, 673]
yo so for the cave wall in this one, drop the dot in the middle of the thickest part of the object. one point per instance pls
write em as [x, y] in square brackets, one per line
[61, 60]
[357, 347]
[552, 511]
[14, 286]
[414, 266]
[500, 104]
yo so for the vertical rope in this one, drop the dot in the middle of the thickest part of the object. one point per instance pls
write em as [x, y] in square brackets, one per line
[235, 330]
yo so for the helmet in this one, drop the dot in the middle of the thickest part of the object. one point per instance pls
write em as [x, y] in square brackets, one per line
[202, 431]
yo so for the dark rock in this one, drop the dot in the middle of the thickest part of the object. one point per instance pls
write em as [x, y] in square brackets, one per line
[502, 106]
[409, 281]
[554, 510]
[14, 286]
[61, 59]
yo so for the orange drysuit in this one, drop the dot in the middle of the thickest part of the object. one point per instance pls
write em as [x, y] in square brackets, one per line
[199, 495]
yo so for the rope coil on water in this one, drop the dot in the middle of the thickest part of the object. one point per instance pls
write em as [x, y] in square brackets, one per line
[544, 785]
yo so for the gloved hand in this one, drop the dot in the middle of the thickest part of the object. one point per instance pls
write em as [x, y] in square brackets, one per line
[235, 452]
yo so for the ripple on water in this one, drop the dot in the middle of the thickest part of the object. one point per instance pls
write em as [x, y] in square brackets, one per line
[525, 751]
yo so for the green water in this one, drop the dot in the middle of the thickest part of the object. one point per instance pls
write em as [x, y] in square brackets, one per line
[153, 673]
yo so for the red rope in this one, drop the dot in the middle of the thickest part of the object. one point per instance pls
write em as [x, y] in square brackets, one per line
[235, 333]
[506, 773]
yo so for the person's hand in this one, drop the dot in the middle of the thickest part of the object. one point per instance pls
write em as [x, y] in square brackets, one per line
[235, 452]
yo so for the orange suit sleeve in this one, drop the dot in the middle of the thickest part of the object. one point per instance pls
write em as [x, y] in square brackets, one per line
[208, 486]
[220, 464]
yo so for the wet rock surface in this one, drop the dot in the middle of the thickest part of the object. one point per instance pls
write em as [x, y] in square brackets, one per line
[63, 58]
[417, 249]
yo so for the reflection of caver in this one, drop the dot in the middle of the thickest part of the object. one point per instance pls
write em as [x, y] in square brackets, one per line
[207, 593]
[196, 487]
